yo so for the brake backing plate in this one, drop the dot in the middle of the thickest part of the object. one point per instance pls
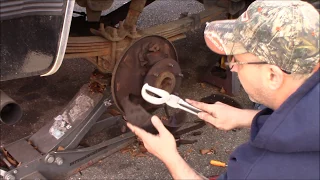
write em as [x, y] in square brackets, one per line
[152, 60]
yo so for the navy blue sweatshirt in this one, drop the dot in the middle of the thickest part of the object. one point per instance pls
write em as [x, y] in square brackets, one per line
[284, 144]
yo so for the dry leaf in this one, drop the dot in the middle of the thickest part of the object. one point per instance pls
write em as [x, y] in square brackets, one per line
[208, 151]
[135, 153]
[189, 150]
[204, 151]
[203, 85]
[124, 151]
[163, 118]
[113, 112]
[141, 155]
[60, 148]
[143, 149]
[222, 91]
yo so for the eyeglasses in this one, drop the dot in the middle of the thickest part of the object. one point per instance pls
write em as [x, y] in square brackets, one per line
[231, 65]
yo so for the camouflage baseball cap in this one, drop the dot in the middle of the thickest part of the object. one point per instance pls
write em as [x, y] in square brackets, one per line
[282, 33]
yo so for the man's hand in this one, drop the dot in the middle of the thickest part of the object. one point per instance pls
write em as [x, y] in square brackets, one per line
[162, 145]
[223, 116]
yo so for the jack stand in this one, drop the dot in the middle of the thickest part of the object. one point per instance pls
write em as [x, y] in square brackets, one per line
[53, 152]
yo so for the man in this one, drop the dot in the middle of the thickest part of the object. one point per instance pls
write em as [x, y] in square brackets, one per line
[275, 48]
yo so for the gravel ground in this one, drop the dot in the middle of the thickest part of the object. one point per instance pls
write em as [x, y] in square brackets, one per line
[42, 98]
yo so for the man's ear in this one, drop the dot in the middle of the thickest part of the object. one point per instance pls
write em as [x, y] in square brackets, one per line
[275, 77]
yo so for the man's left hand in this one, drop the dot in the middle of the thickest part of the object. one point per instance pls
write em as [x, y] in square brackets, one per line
[162, 145]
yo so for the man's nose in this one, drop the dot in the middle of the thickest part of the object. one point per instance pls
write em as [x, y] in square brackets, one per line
[233, 68]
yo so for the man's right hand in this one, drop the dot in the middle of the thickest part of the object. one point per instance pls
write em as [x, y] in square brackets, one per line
[223, 116]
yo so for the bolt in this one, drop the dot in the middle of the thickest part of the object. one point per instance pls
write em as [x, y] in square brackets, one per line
[59, 161]
[9, 177]
[15, 171]
[171, 65]
[49, 159]
[107, 102]
[181, 75]
[156, 74]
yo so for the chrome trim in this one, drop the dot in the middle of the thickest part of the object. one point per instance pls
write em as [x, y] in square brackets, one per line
[64, 38]
[10, 9]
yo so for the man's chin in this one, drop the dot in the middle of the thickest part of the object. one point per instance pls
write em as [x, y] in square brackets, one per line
[253, 100]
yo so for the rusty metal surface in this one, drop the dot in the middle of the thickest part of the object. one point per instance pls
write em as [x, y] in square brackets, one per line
[99, 5]
[94, 8]
[93, 16]
[116, 34]
[134, 12]
[165, 74]
[131, 70]
[95, 5]
[138, 116]
[185, 24]
[89, 46]
[99, 82]
[173, 31]
[151, 59]
[81, 3]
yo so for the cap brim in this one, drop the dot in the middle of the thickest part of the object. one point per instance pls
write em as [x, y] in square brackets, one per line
[220, 38]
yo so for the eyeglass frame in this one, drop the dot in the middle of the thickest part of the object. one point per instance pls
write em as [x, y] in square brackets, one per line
[231, 65]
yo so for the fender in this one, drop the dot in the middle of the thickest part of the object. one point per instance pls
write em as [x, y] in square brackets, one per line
[33, 37]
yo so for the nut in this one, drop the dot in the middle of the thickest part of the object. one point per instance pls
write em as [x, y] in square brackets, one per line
[59, 161]
[9, 176]
[49, 159]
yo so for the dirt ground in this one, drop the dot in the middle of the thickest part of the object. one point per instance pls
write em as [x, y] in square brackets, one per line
[43, 97]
